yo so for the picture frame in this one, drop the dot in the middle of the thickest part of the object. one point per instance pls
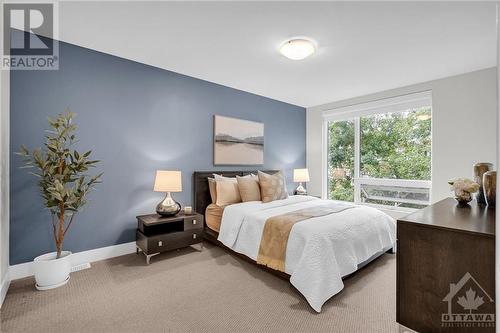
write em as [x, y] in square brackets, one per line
[238, 141]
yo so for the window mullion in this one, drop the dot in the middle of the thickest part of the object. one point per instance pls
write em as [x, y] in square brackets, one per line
[357, 160]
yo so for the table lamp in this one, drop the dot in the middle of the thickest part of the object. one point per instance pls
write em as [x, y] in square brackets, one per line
[168, 181]
[299, 176]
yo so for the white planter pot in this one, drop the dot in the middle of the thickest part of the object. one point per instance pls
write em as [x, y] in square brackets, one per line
[50, 272]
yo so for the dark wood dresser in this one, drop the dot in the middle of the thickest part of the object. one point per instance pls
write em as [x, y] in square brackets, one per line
[156, 234]
[446, 268]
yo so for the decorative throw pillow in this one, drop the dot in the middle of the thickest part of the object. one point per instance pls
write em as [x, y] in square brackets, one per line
[231, 179]
[227, 192]
[252, 176]
[272, 187]
[249, 188]
[223, 178]
[213, 189]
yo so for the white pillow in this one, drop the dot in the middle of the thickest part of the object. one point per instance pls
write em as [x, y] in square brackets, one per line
[253, 177]
[219, 178]
[233, 179]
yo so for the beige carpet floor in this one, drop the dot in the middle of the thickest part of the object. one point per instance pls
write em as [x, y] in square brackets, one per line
[191, 291]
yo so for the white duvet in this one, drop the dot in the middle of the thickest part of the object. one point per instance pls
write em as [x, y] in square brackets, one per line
[320, 250]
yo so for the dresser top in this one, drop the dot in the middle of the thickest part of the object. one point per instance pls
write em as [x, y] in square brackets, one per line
[445, 214]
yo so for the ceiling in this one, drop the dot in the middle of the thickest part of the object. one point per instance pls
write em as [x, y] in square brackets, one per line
[362, 47]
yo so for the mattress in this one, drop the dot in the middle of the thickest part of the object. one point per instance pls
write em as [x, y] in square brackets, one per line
[213, 216]
[320, 250]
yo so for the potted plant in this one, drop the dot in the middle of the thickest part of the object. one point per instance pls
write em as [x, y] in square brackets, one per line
[64, 183]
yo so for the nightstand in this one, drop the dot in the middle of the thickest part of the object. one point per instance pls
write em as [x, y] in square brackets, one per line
[156, 234]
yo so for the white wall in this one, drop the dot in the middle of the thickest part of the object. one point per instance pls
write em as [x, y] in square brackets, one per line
[4, 182]
[464, 119]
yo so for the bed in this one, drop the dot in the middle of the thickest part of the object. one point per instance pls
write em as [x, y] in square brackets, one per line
[320, 252]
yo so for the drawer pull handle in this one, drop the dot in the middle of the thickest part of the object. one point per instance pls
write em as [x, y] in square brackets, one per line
[194, 236]
[194, 221]
[160, 243]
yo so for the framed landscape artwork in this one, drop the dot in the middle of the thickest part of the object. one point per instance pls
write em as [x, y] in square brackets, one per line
[238, 142]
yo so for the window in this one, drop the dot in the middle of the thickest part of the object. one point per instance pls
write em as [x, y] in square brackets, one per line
[379, 153]
[341, 160]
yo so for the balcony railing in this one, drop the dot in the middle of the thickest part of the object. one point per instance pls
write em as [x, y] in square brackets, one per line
[396, 193]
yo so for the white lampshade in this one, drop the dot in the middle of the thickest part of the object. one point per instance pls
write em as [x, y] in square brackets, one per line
[300, 175]
[168, 181]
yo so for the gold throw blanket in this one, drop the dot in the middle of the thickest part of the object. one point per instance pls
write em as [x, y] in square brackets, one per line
[272, 250]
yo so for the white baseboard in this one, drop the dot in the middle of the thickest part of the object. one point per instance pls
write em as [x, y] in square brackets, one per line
[23, 270]
[102, 253]
[20, 271]
[4, 286]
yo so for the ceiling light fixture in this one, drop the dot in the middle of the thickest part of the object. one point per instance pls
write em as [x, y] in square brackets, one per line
[298, 48]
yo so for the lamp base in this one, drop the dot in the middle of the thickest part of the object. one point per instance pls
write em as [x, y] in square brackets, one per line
[300, 190]
[168, 206]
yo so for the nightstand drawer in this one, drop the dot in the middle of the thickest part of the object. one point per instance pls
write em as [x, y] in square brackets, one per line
[193, 222]
[173, 241]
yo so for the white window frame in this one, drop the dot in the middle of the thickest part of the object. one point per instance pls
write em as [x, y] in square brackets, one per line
[354, 113]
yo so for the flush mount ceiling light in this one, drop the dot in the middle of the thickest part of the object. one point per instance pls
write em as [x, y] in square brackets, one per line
[298, 48]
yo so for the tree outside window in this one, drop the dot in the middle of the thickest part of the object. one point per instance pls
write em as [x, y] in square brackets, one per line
[393, 146]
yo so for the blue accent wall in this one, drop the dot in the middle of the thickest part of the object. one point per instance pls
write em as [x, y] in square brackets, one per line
[136, 119]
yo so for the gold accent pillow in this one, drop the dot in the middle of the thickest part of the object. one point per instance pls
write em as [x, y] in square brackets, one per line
[249, 188]
[227, 192]
[213, 190]
[272, 187]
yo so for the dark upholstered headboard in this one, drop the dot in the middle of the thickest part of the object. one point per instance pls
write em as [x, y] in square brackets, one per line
[201, 191]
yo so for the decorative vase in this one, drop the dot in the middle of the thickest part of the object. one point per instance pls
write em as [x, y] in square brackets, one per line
[490, 187]
[52, 272]
[463, 198]
[479, 170]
